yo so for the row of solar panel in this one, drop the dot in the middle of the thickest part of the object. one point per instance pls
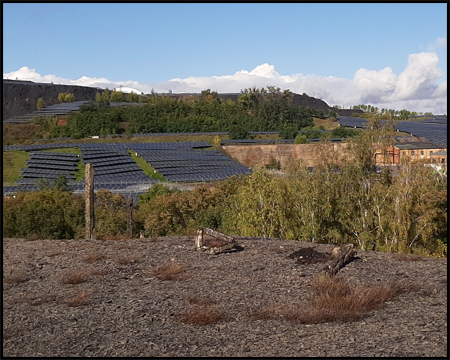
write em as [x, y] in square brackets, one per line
[49, 158]
[110, 161]
[43, 162]
[46, 170]
[202, 177]
[63, 155]
[192, 163]
[192, 170]
[61, 109]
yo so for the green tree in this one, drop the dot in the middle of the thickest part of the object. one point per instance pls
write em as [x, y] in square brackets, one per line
[288, 132]
[69, 97]
[301, 139]
[40, 103]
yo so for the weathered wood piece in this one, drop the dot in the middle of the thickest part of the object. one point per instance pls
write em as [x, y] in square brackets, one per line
[219, 235]
[217, 250]
[199, 239]
[90, 216]
[346, 252]
[225, 242]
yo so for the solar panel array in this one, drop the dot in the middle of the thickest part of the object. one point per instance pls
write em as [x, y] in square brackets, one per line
[60, 109]
[185, 162]
[352, 121]
[433, 129]
[433, 132]
[440, 119]
[112, 163]
[49, 165]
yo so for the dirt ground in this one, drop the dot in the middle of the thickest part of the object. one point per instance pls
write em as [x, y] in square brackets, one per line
[113, 298]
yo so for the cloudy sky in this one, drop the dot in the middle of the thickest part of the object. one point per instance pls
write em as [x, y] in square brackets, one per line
[387, 55]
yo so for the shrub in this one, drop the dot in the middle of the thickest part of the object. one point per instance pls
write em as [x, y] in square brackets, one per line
[51, 214]
[301, 139]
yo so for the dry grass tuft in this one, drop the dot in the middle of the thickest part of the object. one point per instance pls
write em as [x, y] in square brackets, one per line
[93, 257]
[74, 277]
[335, 299]
[82, 298]
[332, 300]
[170, 271]
[203, 315]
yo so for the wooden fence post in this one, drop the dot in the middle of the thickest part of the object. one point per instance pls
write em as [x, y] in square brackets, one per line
[89, 191]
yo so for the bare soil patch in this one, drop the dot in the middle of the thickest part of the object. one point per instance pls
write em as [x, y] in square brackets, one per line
[160, 297]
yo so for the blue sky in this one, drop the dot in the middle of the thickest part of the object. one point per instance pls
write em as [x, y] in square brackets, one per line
[388, 55]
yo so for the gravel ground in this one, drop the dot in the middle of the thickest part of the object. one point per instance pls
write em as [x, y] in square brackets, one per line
[103, 298]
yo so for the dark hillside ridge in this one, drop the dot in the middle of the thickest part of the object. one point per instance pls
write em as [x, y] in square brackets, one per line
[21, 97]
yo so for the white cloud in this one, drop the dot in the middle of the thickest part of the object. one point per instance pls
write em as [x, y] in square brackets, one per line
[440, 42]
[415, 89]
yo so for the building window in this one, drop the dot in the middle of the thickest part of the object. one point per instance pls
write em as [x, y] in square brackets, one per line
[421, 153]
[443, 160]
[413, 153]
[431, 152]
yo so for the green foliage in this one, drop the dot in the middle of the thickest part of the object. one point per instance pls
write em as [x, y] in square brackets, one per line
[63, 97]
[288, 132]
[49, 214]
[311, 133]
[111, 215]
[40, 103]
[343, 132]
[13, 161]
[270, 110]
[301, 139]
[116, 96]
[69, 98]
[154, 191]
[237, 132]
[273, 164]
[59, 184]
[146, 167]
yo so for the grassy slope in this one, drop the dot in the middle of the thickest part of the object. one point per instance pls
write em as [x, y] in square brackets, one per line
[13, 161]
[146, 167]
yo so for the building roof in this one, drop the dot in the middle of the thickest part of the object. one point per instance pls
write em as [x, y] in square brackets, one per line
[440, 152]
[416, 145]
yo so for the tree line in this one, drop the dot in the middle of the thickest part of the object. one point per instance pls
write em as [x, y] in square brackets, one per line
[255, 110]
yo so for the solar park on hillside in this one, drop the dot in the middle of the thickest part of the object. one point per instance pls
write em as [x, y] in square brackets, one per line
[115, 170]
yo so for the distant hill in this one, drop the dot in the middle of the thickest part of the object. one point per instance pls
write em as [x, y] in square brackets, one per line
[21, 97]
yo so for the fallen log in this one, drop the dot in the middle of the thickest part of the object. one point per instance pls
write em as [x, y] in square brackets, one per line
[223, 243]
[345, 253]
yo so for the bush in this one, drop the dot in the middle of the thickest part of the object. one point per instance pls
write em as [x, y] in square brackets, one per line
[301, 139]
[49, 214]
[288, 132]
